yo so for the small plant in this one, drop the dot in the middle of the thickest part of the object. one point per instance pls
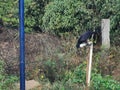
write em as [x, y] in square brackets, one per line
[6, 82]
[50, 70]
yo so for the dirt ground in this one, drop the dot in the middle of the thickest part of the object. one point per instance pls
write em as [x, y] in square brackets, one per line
[30, 85]
[37, 47]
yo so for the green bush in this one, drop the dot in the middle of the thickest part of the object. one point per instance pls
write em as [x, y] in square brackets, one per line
[115, 24]
[78, 75]
[62, 16]
[34, 12]
[98, 82]
[54, 70]
[6, 81]
[9, 12]
[104, 83]
[66, 15]
[76, 16]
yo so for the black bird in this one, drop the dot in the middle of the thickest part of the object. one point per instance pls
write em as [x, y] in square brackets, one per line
[84, 39]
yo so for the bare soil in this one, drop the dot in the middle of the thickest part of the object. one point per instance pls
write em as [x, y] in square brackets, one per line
[37, 47]
[31, 85]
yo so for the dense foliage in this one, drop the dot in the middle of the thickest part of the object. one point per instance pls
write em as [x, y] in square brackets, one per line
[67, 15]
[79, 15]
[9, 12]
[34, 13]
[61, 16]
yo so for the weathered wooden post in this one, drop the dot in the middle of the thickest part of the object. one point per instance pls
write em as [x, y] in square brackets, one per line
[89, 67]
[105, 27]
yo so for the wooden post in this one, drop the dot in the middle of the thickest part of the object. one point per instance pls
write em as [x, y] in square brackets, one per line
[89, 66]
[105, 26]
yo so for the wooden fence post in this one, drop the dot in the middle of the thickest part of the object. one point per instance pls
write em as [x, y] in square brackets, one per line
[105, 27]
[89, 67]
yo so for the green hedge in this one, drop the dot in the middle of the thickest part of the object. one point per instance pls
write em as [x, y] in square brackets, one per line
[61, 16]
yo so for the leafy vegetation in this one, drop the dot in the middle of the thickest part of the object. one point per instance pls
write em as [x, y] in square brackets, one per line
[9, 12]
[34, 13]
[63, 16]
[75, 79]
[104, 83]
[6, 81]
[78, 15]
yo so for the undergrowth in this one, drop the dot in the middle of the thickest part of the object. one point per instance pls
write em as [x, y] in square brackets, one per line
[75, 80]
[6, 82]
[59, 75]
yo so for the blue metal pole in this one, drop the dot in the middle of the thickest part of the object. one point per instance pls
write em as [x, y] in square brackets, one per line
[22, 45]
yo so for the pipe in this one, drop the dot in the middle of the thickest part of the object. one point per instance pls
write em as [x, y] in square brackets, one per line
[22, 45]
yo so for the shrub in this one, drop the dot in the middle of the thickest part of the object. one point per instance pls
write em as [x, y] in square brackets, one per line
[75, 80]
[104, 83]
[76, 16]
[9, 12]
[66, 15]
[33, 15]
[54, 70]
[6, 82]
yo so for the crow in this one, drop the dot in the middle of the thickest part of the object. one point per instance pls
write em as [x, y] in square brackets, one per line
[84, 39]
